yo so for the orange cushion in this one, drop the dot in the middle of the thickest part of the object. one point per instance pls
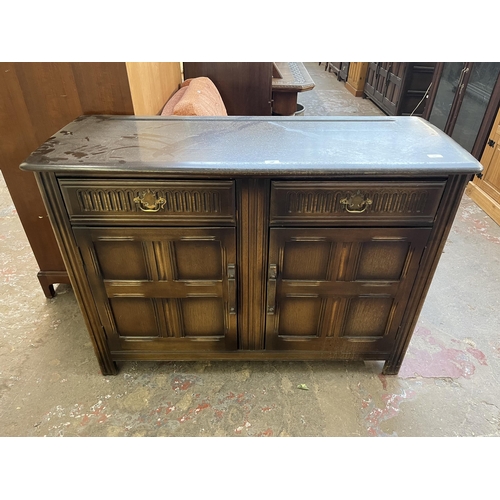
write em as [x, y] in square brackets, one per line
[169, 107]
[199, 97]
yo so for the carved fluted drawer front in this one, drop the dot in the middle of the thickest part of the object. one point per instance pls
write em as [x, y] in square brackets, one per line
[169, 201]
[294, 202]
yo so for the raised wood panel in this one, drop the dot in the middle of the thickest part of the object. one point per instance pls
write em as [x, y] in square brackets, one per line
[330, 287]
[188, 256]
[202, 317]
[305, 260]
[126, 311]
[300, 316]
[381, 260]
[170, 287]
[120, 260]
[368, 316]
[152, 84]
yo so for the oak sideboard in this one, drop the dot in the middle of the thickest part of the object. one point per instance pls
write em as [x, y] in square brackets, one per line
[251, 238]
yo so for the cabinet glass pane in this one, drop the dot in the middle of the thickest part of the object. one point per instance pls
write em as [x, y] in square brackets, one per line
[477, 95]
[445, 94]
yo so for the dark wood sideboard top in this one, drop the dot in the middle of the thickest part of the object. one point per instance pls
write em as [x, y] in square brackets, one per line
[252, 146]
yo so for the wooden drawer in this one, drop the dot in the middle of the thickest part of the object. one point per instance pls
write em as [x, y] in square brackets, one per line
[129, 201]
[340, 203]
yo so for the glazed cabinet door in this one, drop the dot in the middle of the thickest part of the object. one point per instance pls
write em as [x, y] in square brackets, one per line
[341, 290]
[163, 288]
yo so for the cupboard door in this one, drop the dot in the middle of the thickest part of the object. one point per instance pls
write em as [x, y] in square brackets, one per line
[341, 290]
[163, 289]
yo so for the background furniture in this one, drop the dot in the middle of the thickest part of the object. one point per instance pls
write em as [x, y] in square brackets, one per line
[245, 88]
[355, 83]
[485, 190]
[463, 102]
[289, 79]
[242, 239]
[399, 87]
[37, 100]
[341, 69]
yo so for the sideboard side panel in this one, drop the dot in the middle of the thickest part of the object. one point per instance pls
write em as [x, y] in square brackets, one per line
[73, 261]
[444, 220]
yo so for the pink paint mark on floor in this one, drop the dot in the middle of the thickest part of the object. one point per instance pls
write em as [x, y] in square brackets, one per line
[193, 412]
[374, 416]
[383, 379]
[181, 384]
[478, 355]
[97, 412]
[266, 433]
[470, 213]
[437, 360]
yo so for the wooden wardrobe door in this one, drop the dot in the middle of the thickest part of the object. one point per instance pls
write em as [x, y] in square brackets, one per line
[340, 289]
[168, 288]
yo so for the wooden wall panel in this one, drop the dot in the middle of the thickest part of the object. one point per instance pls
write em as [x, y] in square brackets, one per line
[36, 100]
[152, 85]
[103, 88]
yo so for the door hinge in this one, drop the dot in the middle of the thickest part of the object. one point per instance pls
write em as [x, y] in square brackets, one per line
[491, 143]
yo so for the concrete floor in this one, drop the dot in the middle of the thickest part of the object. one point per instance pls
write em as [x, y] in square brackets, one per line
[449, 384]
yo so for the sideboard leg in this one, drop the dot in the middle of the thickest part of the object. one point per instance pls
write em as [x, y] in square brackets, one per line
[47, 286]
[391, 368]
[48, 279]
[109, 368]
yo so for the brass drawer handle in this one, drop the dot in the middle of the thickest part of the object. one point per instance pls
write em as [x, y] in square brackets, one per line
[356, 204]
[148, 202]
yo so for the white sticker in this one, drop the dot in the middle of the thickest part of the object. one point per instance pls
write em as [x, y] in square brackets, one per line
[435, 156]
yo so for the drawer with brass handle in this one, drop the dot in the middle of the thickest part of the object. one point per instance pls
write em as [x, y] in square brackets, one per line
[127, 201]
[340, 203]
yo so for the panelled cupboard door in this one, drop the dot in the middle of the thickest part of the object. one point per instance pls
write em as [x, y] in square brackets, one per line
[341, 290]
[163, 289]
